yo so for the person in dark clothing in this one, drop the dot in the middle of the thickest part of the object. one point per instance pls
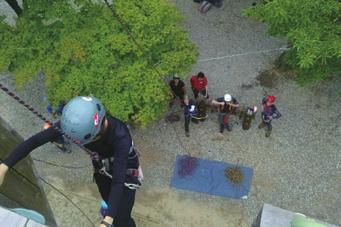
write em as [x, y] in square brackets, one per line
[269, 112]
[60, 142]
[115, 160]
[190, 112]
[227, 105]
[58, 111]
[178, 89]
[60, 108]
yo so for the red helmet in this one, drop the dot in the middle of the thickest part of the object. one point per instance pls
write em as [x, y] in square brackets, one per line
[271, 99]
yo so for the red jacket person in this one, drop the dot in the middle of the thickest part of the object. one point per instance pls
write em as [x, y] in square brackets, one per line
[199, 84]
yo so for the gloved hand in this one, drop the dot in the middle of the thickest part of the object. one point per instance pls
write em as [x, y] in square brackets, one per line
[3, 170]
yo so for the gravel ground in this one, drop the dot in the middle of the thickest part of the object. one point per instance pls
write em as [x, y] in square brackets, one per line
[298, 168]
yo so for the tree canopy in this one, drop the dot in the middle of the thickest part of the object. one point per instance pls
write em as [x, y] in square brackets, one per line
[83, 49]
[313, 30]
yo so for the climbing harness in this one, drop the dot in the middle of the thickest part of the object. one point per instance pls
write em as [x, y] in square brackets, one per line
[104, 167]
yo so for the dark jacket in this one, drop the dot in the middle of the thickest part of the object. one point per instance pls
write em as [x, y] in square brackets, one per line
[270, 112]
[187, 109]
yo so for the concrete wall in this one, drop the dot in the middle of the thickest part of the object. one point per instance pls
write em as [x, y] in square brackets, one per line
[21, 187]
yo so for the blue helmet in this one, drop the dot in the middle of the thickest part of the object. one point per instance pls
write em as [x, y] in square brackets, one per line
[82, 118]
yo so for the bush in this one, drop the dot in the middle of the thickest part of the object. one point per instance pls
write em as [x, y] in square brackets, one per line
[313, 30]
[82, 49]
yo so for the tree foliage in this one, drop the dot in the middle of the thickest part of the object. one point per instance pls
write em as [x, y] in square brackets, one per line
[83, 49]
[313, 30]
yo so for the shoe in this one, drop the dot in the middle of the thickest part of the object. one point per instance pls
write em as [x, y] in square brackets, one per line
[261, 125]
[205, 6]
[268, 133]
[187, 134]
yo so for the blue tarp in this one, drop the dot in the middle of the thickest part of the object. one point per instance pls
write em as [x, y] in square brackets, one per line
[209, 177]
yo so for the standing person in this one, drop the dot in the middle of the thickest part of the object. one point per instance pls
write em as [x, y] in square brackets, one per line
[190, 112]
[60, 108]
[115, 160]
[269, 112]
[199, 84]
[58, 111]
[60, 142]
[178, 89]
[227, 105]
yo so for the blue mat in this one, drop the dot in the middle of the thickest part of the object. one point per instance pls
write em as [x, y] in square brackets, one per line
[209, 177]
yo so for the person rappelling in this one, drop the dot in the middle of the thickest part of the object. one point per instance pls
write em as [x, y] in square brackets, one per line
[117, 171]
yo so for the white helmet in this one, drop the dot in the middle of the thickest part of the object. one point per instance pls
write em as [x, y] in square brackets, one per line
[227, 97]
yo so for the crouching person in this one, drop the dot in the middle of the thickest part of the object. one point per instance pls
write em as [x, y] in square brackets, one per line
[202, 108]
[248, 115]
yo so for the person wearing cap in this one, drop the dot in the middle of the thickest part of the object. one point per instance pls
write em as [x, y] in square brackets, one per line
[178, 89]
[227, 105]
[199, 85]
[190, 113]
[269, 112]
[117, 173]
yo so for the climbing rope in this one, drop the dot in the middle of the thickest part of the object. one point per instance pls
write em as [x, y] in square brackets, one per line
[243, 54]
[68, 199]
[62, 166]
[40, 116]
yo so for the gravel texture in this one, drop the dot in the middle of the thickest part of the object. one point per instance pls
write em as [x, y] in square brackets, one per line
[297, 168]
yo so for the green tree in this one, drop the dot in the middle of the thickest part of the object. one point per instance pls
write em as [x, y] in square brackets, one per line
[313, 30]
[82, 49]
